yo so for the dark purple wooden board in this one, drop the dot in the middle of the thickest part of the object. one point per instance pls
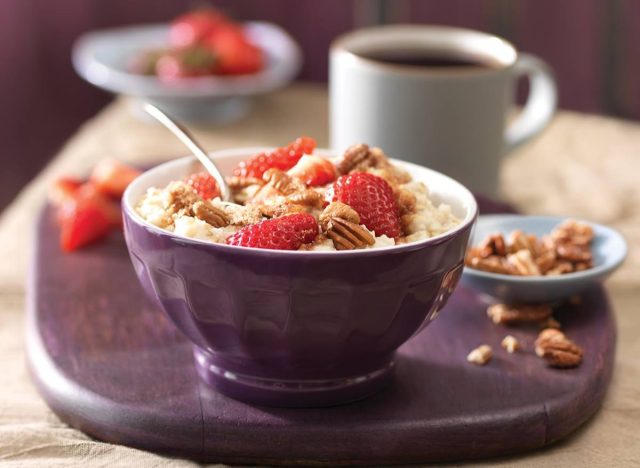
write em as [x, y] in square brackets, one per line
[108, 363]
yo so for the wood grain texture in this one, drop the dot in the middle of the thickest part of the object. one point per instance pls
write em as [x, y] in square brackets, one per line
[107, 362]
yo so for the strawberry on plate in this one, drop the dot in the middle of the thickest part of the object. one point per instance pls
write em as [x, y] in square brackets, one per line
[282, 158]
[314, 170]
[186, 63]
[285, 233]
[192, 27]
[204, 185]
[236, 54]
[111, 177]
[373, 199]
[86, 217]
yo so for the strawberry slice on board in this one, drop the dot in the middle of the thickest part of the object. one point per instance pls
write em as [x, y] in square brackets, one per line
[283, 158]
[111, 177]
[192, 27]
[63, 189]
[85, 218]
[314, 171]
[373, 199]
[285, 233]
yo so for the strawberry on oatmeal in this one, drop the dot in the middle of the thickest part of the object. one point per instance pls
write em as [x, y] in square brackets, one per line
[293, 199]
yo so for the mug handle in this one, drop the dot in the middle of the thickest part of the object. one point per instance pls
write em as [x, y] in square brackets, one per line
[540, 105]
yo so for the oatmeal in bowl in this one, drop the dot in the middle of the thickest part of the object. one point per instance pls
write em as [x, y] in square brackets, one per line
[298, 291]
[294, 199]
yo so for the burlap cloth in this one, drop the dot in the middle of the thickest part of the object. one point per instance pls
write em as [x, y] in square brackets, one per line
[583, 165]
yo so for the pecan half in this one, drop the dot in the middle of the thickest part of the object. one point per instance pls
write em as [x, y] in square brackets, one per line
[573, 232]
[575, 253]
[518, 240]
[347, 235]
[557, 349]
[211, 214]
[341, 224]
[282, 182]
[523, 263]
[508, 315]
[356, 157]
[338, 210]
[493, 245]
[546, 261]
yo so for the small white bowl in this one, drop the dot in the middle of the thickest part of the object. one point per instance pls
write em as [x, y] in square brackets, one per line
[102, 58]
[609, 251]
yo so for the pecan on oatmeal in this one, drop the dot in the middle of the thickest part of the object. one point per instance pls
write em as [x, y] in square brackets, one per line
[362, 158]
[341, 224]
[356, 158]
[211, 214]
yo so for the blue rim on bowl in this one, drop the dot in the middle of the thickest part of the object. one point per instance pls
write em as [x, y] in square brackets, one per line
[609, 249]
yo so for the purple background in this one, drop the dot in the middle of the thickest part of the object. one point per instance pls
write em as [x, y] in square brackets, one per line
[591, 44]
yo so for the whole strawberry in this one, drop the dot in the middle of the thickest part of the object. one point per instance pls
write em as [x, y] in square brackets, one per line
[372, 197]
[281, 158]
[204, 185]
[285, 233]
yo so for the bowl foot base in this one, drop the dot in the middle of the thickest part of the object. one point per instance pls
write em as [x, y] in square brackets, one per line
[291, 393]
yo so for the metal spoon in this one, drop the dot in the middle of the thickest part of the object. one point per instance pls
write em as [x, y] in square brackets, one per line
[185, 137]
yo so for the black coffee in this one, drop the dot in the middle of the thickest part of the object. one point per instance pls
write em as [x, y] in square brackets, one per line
[427, 60]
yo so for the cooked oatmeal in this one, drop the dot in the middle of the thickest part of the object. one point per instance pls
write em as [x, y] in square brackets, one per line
[360, 201]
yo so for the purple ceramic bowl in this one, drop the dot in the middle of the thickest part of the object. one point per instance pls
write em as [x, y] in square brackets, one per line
[287, 328]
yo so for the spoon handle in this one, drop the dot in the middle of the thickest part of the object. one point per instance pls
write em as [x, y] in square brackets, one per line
[185, 137]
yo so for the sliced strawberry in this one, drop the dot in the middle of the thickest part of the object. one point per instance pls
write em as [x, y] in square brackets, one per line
[237, 55]
[88, 193]
[372, 197]
[285, 233]
[204, 185]
[85, 218]
[111, 177]
[282, 158]
[63, 189]
[314, 170]
[191, 28]
[186, 63]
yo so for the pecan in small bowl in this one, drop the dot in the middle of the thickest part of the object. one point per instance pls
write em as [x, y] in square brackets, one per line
[540, 259]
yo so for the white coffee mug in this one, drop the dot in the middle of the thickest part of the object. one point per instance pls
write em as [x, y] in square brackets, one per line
[450, 118]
